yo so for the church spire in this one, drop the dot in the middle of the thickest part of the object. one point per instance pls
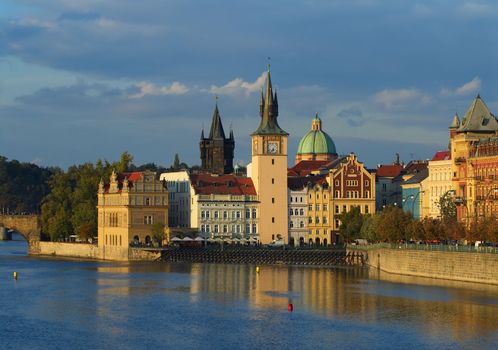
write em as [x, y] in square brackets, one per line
[217, 131]
[269, 111]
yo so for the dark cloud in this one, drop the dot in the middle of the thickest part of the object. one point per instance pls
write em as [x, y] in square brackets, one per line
[353, 116]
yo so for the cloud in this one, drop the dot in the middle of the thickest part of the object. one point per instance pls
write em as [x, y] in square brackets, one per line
[466, 89]
[474, 10]
[353, 116]
[391, 98]
[238, 85]
[176, 88]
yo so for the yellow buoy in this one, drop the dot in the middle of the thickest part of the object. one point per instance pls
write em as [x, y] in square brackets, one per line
[15, 275]
[257, 269]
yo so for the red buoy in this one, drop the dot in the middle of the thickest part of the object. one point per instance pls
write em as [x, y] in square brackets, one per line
[290, 307]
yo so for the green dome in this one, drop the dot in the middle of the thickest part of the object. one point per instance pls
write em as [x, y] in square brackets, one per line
[316, 141]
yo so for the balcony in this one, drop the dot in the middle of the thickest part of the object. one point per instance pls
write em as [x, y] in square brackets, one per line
[460, 160]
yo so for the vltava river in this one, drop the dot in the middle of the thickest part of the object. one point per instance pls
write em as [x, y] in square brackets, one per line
[64, 304]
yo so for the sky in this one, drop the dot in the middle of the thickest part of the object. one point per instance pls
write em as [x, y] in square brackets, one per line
[87, 80]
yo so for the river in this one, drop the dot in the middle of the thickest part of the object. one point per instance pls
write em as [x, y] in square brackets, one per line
[74, 304]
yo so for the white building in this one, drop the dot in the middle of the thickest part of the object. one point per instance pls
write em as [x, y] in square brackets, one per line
[439, 182]
[178, 184]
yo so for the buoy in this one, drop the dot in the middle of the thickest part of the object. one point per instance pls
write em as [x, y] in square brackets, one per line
[257, 269]
[15, 275]
[290, 307]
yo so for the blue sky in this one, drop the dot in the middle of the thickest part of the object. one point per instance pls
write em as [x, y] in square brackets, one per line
[82, 80]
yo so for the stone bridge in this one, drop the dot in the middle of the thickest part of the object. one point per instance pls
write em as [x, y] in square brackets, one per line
[29, 226]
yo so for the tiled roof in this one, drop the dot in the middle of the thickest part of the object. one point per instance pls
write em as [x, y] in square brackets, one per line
[478, 118]
[442, 155]
[389, 170]
[306, 167]
[417, 178]
[416, 166]
[296, 183]
[223, 184]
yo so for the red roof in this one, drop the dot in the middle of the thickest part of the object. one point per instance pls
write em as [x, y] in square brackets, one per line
[389, 170]
[306, 167]
[223, 184]
[442, 155]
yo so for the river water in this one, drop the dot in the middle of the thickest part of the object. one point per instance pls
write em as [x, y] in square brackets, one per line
[71, 304]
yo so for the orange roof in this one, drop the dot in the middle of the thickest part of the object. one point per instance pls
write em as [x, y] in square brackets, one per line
[306, 167]
[389, 170]
[442, 155]
[223, 184]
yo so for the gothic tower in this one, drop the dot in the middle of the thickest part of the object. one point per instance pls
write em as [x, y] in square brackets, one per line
[269, 169]
[217, 150]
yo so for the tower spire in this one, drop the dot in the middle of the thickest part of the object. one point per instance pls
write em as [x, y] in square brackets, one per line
[216, 131]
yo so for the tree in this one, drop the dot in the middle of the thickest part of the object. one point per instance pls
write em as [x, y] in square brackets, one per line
[369, 228]
[176, 162]
[447, 208]
[124, 163]
[393, 223]
[351, 223]
[158, 232]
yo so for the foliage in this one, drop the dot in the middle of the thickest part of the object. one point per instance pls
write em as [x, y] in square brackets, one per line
[447, 207]
[158, 232]
[392, 224]
[22, 186]
[369, 228]
[351, 223]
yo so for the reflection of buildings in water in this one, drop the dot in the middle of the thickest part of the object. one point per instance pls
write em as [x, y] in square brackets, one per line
[349, 294]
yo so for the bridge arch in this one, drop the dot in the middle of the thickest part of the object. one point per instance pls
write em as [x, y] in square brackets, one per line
[29, 226]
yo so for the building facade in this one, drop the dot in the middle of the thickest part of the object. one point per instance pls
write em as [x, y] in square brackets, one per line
[269, 170]
[224, 207]
[298, 210]
[473, 163]
[128, 207]
[415, 195]
[217, 150]
[178, 184]
[439, 182]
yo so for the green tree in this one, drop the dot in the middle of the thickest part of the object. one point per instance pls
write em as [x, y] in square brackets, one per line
[369, 228]
[393, 223]
[351, 223]
[158, 232]
[447, 207]
[124, 163]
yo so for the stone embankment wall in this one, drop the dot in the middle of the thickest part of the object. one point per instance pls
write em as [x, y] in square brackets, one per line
[72, 250]
[92, 251]
[477, 267]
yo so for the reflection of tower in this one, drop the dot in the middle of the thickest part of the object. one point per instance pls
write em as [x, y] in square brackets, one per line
[269, 169]
[217, 150]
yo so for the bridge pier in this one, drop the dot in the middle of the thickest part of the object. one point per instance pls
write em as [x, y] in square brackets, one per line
[28, 226]
[5, 235]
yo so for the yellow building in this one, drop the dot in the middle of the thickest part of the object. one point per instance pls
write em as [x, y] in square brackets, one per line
[318, 211]
[128, 207]
[269, 170]
[474, 162]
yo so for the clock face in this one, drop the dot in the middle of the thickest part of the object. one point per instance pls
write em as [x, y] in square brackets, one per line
[272, 147]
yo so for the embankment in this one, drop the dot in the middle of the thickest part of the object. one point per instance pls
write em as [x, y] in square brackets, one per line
[466, 266]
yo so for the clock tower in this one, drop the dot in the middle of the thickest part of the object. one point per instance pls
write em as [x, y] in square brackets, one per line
[269, 169]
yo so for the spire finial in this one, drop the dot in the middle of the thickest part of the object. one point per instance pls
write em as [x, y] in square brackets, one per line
[269, 60]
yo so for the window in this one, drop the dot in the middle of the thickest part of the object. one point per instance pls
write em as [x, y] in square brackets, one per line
[207, 214]
[273, 220]
[317, 207]
[272, 161]
[337, 182]
[273, 200]
[301, 224]
[296, 212]
[216, 228]
[301, 211]
[366, 209]
[337, 194]
[291, 211]
[291, 224]
[384, 187]
[344, 209]
[225, 215]
[148, 220]
[291, 199]
[208, 228]
[336, 223]
[147, 201]
[237, 229]
[367, 194]
[248, 228]
[325, 207]
[273, 182]
[254, 213]
[317, 219]
[248, 213]
[216, 214]
[317, 232]
[301, 199]
[310, 207]
[337, 209]
[310, 220]
[203, 228]
[253, 228]
[237, 214]
[324, 219]
[366, 182]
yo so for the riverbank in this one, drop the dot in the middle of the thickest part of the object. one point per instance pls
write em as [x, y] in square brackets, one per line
[477, 266]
